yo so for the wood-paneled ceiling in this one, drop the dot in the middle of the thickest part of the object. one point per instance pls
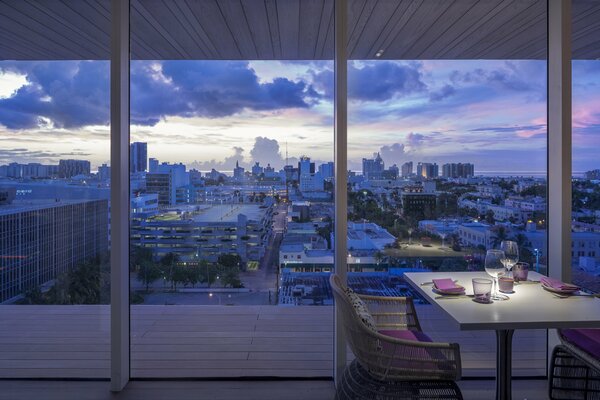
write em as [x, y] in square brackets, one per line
[292, 29]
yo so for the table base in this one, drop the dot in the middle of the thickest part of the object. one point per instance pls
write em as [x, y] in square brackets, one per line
[504, 364]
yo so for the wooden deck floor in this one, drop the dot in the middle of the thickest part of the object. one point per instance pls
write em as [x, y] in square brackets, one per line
[214, 341]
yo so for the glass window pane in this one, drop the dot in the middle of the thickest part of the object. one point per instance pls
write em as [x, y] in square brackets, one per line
[231, 189]
[54, 189]
[447, 146]
[585, 246]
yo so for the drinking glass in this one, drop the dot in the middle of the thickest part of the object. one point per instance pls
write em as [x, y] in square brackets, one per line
[482, 289]
[494, 265]
[511, 253]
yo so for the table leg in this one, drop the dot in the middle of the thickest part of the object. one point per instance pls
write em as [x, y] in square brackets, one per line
[504, 364]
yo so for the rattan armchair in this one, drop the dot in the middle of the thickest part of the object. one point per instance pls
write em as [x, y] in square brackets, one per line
[389, 358]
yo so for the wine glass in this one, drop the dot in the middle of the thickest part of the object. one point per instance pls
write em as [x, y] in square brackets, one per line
[511, 253]
[494, 265]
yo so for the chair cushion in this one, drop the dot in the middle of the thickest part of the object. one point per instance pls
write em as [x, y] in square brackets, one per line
[361, 309]
[407, 335]
[586, 339]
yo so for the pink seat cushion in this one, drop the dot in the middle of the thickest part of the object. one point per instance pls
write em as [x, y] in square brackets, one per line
[586, 339]
[407, 335]
[422, 357]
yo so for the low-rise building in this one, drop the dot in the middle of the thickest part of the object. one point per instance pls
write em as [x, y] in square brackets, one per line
[205, 232]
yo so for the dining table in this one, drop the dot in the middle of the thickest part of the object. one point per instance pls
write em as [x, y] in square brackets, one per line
[529, 306]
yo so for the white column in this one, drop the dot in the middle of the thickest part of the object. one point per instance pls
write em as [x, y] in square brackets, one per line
[559, 146]
[341, 170]
[559, 139]
[119, 160]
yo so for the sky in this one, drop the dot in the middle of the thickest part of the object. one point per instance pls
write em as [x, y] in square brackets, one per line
[210, 114]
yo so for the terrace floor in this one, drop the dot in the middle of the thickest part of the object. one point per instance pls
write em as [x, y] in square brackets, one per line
[216, 341]
[229, 390]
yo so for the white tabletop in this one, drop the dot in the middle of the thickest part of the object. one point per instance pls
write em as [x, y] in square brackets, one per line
[529, 307]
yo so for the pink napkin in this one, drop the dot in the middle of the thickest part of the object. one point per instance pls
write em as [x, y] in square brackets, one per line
[557, 284]
[447, 285]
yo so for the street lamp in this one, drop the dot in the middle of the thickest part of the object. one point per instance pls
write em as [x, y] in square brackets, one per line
[537, 253]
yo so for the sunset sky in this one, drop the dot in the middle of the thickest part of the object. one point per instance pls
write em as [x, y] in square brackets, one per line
[214, 113]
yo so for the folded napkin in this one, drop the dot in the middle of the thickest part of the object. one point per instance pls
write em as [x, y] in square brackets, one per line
[557, 284]
[447, 285]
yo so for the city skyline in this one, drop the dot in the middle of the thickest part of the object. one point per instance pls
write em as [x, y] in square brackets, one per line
[484, 112]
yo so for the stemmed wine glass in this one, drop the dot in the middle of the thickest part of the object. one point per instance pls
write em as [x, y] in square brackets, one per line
[494, 265]
[511, 253]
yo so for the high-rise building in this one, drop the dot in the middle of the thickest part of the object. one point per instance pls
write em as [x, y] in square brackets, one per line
[373, 168]
[104, 172]
[153, 165]
[257, 169]
[238, 172]
[138, 157]
[407, 169]
[71, 168]
[428, 170]
[42, 240]
[305, 166]
[460, 170]
[169, 182]
[327, 170]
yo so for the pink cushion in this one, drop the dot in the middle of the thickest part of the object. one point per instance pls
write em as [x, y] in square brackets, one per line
[407, 335]
[586, 339]
[422, 356]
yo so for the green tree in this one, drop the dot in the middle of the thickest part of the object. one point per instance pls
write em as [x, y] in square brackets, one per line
[179, 276]
[229, 260]
[148, 273]
[169, 262]
[499, 234]
[139, 255]
[231, 278]
[208, 272]
[325, 233]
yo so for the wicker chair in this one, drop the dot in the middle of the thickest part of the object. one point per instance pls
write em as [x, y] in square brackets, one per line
[574, 373]
[389, 358]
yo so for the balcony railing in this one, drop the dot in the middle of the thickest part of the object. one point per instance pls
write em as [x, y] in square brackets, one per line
[215, 341]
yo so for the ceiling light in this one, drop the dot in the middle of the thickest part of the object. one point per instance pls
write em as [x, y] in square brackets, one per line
[379, 53]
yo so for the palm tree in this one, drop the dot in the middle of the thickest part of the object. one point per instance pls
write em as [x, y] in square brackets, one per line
[500, 233]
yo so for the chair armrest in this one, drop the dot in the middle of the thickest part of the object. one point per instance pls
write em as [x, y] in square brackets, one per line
[392, 312]
[409, 359]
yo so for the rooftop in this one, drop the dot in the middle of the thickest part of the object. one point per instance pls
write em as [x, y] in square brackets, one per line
[230, 212]
[35, 205]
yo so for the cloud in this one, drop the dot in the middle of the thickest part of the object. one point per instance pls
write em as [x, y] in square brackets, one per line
[23, 155]
[519, 130]
[393, 154]
[375, 81]
[227, 164]
[441, 94]
[510, 76]
[266, 150]
[70, 94]
[60, 94]
[415, 140]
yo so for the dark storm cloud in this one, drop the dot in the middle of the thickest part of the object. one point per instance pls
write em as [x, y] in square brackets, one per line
[377, 81]
[70, 94]
[66, 93]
